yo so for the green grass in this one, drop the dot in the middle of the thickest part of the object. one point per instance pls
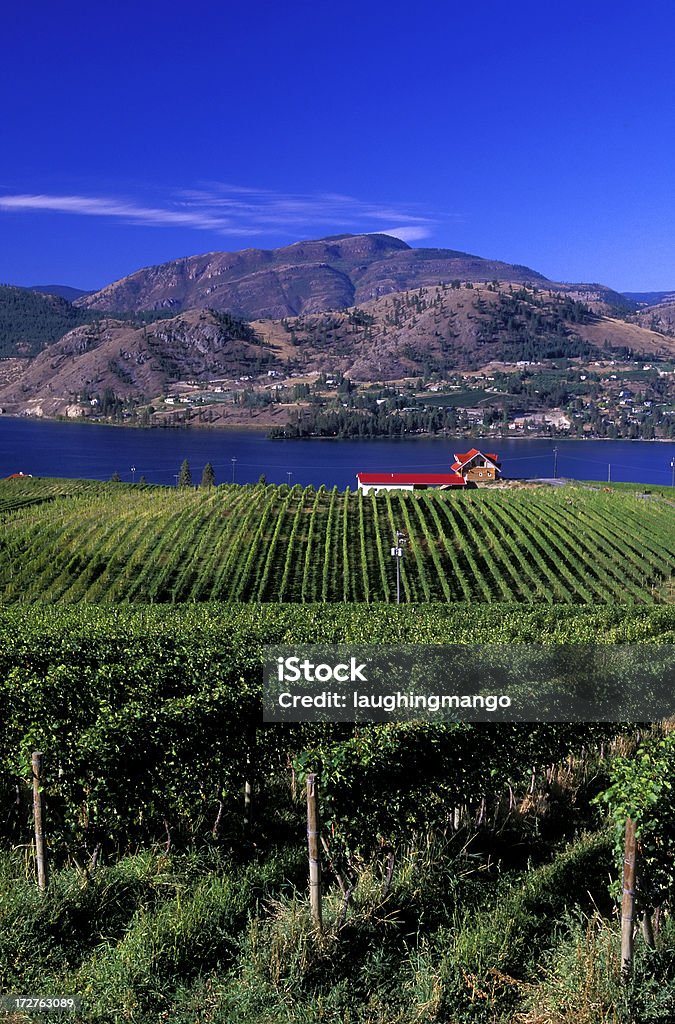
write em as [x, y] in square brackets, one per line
[458, 399]
[201, 938]
[661, 490]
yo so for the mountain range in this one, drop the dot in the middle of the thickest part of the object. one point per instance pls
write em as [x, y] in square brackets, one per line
[310, 277]
[367, 306]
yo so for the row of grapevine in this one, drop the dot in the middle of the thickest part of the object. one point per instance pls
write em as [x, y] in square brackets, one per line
[257, 543]
[107, 693]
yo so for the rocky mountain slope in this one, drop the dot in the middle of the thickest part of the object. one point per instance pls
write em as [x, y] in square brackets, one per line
[660, 317]
[310, 277]
[367, 306]
[463, 327]
[436, 329]
[134, 362]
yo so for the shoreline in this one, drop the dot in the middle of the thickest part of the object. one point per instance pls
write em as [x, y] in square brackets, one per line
[253, 428]
[80, 421]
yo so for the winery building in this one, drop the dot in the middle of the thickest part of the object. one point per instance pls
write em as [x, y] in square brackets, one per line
[408, 481]
[476, 466]
[469, 468]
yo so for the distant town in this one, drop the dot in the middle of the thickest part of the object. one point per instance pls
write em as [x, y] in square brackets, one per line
[599, 399]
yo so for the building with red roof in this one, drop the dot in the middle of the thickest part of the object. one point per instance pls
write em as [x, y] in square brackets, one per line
[476, 466]
[408, 481]
[469, 468]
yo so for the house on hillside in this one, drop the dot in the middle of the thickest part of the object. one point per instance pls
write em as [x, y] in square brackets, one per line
[409, 481]
[475, 466]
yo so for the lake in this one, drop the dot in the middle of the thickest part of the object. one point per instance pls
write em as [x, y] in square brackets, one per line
[59, 449]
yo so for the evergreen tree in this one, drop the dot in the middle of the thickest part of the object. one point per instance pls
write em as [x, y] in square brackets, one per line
[185, 476]
[208, 476]
[115, 478]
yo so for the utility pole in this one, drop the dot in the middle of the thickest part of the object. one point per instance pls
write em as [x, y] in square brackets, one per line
[233, 460]
[133, 474]
[397, 553]
[609, 473]
[672, 479]
[555, 463]
[289, 474]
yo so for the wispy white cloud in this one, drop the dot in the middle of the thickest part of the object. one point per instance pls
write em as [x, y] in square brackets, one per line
[100, 207]
[227, 209]
[408, 232]
[265, 209]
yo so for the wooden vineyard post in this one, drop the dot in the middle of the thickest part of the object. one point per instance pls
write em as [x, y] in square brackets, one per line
[247, 804]
[38, 819]
[313, 850]
[248, 794]
[628, 898]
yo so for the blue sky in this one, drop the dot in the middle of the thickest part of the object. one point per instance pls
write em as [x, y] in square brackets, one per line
[538, 133]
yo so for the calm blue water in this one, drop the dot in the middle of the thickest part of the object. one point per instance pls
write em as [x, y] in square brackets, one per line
[80, 450]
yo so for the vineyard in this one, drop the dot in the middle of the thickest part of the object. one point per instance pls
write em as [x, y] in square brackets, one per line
[459, 857]
[93, 542]
[466, 868]
[106, 692]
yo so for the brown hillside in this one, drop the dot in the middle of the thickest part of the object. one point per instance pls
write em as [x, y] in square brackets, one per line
[131, 361]
[660, 317]
[307, 277]
[443, 328]
[439, 329]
